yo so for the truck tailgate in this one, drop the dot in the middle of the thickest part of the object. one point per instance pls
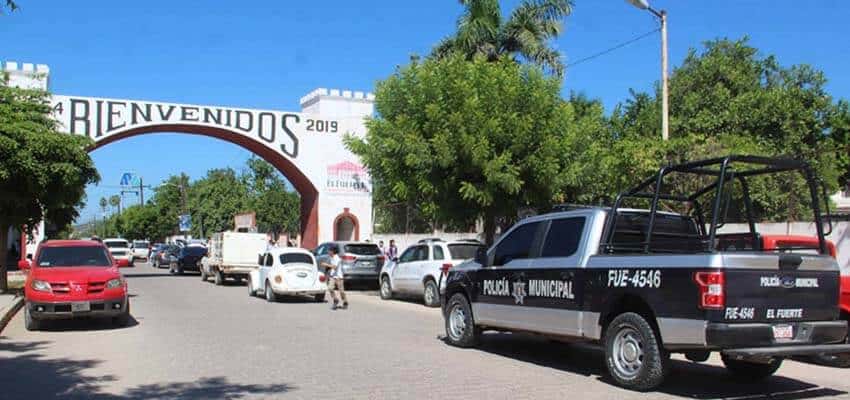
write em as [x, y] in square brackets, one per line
[771, 288]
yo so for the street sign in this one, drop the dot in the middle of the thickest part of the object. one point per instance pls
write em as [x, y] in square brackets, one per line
[129, 179]
[185, 223]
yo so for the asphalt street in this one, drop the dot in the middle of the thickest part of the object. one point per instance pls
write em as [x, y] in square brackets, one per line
[194, 340]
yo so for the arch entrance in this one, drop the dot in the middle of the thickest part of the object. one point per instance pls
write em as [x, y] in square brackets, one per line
[306, 147]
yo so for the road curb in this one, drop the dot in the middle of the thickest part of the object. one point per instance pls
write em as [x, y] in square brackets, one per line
[7, 313]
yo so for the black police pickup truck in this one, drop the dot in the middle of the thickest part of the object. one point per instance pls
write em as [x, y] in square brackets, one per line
[645, 283]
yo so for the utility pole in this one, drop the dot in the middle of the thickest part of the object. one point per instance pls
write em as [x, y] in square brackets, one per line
[665, 103]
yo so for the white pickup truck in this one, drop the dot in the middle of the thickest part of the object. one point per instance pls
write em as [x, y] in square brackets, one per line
[232, 255]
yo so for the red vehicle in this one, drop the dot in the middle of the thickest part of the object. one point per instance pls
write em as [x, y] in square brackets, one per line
[74, 279]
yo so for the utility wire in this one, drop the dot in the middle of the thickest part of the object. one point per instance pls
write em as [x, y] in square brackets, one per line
[609, 50]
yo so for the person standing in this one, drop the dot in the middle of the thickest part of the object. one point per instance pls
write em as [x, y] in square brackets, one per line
[335, 279]
[382, 248]
[392, 251]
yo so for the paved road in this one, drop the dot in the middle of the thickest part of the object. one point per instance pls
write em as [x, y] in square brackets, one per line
[196, 340]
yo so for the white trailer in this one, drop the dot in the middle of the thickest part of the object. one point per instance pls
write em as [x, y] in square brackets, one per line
[233, 255]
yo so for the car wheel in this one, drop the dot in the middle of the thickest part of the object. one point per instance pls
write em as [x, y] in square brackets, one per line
[386, 288]
[270, 296]
[250, 287]
[320, 298]
[219, 278]
[30, 323]
[431, 295]
[460, 326]
[747, 371]
[123, 319]
[633, 354]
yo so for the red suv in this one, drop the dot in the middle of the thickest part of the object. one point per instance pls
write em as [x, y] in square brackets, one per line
[73, 279]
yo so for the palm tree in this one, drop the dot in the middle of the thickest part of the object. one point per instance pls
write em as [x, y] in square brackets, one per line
[115, 202]
[481, 31]
[103, 204]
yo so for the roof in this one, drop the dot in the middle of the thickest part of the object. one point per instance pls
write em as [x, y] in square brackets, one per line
[115, 240]
[289, 250]
[71, 243]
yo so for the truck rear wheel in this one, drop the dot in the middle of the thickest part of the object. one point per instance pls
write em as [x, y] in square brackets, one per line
[749, 371]
[460, 325]
[633, 354]
[219, 278]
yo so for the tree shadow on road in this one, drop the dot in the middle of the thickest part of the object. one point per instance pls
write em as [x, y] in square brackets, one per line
[29, 374]
[687, 379]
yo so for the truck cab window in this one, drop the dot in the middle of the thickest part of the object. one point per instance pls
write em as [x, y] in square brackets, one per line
[438, 253]
[563, 237]
[517, 245]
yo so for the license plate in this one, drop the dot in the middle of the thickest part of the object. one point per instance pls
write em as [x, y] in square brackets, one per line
[367, 265]
[80, 307]
[783, 332]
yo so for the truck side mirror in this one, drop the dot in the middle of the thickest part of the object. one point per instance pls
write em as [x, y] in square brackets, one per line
[481, 257]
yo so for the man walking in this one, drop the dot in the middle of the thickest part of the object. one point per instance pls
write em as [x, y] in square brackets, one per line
[392, 251]
[335, 278]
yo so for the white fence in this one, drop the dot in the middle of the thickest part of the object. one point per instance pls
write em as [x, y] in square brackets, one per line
[403, 240]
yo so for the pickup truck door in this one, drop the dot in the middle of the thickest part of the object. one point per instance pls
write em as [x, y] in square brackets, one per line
[545, 290]
[497, 290]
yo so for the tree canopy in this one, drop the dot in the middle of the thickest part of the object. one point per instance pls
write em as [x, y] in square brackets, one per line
[483, 32]
[43, 173]
[468, 139]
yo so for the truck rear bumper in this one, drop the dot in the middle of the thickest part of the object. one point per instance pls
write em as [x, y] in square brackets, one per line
[760, 335]
[787, 351]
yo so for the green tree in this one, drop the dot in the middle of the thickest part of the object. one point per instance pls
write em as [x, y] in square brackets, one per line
[10, 5]
[169, 201]
[726, 99]
[471, 139]
[115, 203]
[43, 173]
[277, 209]
[483, 32]
[215, 199]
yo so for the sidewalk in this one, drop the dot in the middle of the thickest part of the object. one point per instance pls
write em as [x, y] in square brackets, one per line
[11, 302]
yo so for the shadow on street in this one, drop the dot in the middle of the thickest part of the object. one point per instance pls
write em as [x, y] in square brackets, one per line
[686, 379]
[27, 374]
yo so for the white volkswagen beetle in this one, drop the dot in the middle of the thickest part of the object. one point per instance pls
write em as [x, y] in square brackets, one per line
[287, 271]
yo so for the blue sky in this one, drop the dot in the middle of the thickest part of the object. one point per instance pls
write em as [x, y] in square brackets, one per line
[267, 54]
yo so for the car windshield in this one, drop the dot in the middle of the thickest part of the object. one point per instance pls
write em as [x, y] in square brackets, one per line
[84, 256]
[363, 249]
[139, 244]
[115, 243]
[295, 258]
[463, 251]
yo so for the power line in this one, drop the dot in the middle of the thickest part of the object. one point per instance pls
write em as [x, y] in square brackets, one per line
[611, 49]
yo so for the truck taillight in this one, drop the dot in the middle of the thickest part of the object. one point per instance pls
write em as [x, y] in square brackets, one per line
[445, 268]
[711, 285]
[349, 258]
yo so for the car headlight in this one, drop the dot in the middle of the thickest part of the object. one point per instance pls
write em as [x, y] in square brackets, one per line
[41, 286]
[114, 283]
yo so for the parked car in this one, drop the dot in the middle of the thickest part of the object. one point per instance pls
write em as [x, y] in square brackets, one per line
[361, 261]
[420, 268]
[74, 279]
[644, 283]
[140, 249]
[287, 271]
[160, 257]
[119, 249]
[157, 247]
[182, 259]
[232, 255]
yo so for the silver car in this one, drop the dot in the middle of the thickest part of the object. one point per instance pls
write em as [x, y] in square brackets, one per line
[361, 261]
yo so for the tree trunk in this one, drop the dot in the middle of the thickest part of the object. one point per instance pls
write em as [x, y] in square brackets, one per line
[4, 249]
[489, 228]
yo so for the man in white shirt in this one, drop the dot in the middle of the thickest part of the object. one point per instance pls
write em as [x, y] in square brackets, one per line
[335, 279]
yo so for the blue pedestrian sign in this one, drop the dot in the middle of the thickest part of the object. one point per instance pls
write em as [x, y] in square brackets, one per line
[185, 223]
[129, 179]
